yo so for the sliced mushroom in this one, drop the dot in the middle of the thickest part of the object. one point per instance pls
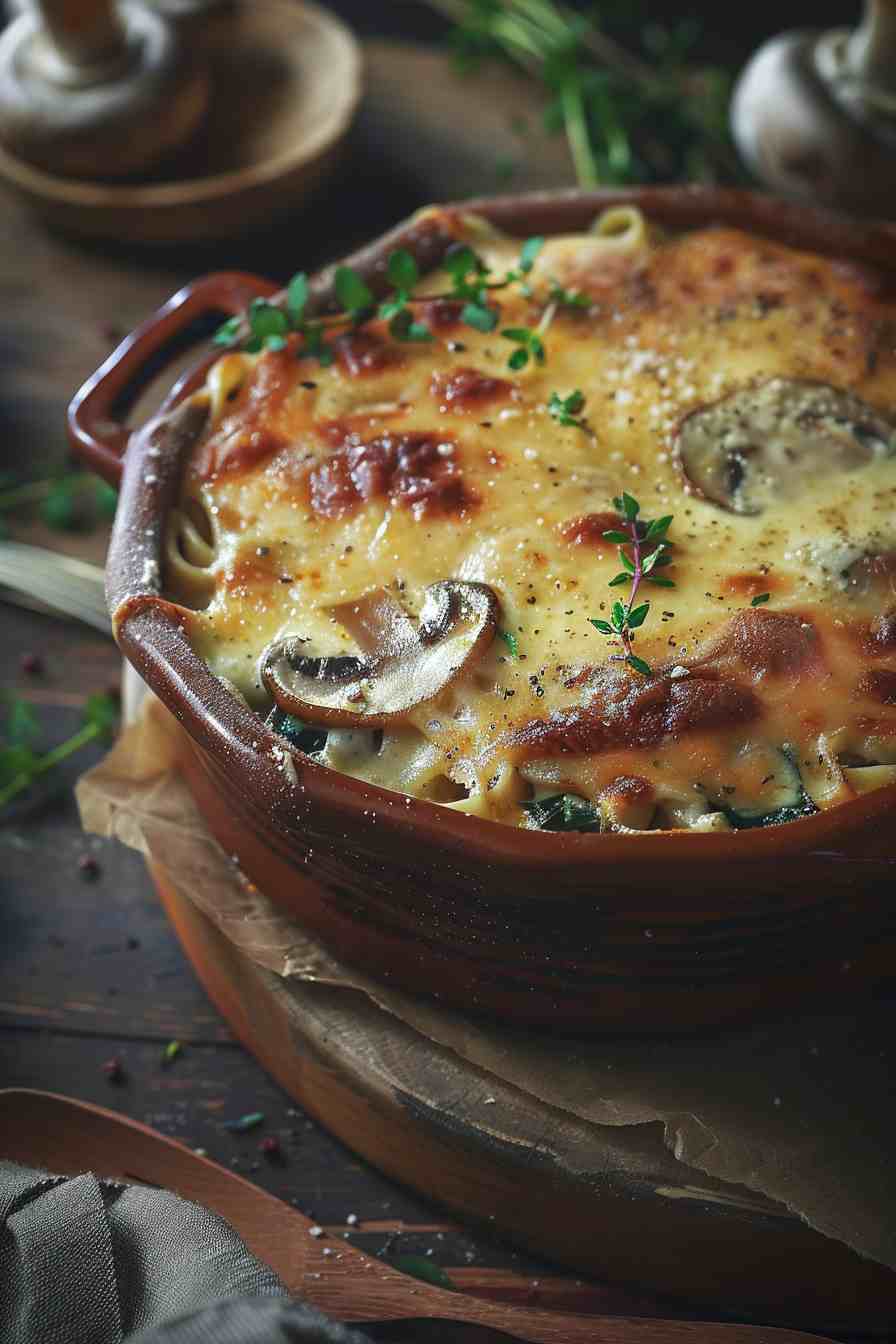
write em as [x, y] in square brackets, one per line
[762, 444]
[402, 665]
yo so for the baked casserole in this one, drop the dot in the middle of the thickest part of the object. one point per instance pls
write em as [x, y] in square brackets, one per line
[591, 532]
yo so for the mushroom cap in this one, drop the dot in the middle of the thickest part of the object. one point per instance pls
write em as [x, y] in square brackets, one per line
[403, 665]
[760, 444]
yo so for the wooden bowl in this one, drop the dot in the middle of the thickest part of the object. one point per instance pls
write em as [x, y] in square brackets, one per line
[285, 84]
[657, 931]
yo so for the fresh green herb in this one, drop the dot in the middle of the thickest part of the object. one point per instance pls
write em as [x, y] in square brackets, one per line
[403, 273]
[268, 326]
[171, 1052]
[403, 327]
[759, 599]
[563, 812]
[625, 87]
[510, 640]
[480, 316]
[637, 568]
[420, 1268]
[470, 284]
[20, 764]
[565, 410]
[529, 345]
[297, 298]
[229, 332]
[352, 292]
[568, 298]
[528, 252]
[245, 1122]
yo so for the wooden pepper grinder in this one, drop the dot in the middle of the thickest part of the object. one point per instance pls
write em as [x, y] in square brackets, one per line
[814, 114]
[97, 89]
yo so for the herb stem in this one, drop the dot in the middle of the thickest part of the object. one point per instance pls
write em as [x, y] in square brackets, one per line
[637, 576]
[21, 782]
[577, 135]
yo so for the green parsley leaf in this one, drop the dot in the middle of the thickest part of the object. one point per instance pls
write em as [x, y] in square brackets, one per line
[658, 528]
[622, 537]
[759, 599]
[480, 316]
[402, 269]
[402, 327]
[630, 507]
[518, 359]
[510, 640]
[265, 321]
[566, 409]
[603, 626]
[351, 291]
[637, 615]
[639, 665]
[617, 616]
[626, 562]
[529, 251]
[297, 298]
[171, 1052]
[660, 581]
[620, 578]
[460, 262]
[228, 332]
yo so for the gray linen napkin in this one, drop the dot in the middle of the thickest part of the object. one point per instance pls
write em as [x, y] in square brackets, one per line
[86, 1261]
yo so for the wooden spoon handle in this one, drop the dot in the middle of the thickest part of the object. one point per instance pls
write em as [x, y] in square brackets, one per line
[45, 1130]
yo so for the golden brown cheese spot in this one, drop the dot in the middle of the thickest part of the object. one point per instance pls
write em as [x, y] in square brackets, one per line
[442, 314]
[752, 585]
[467, 390]
[772, 643]
[622, 712]
[416, 470]
[251, 431]
[589, 528]
[879, 685]
[363, 353]
[630, 787]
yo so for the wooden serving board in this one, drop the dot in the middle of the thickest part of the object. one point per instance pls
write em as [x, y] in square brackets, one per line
[610, 1202]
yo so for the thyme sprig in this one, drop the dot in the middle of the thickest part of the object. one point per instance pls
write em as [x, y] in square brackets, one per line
[637, 568]
[21, 764]
[627, 89]
[565, 410]
[471, 285]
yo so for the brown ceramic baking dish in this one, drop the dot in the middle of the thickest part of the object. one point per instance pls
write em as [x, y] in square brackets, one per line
[662, 930]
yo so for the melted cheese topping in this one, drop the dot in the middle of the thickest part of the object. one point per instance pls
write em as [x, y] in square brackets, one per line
[403, 465]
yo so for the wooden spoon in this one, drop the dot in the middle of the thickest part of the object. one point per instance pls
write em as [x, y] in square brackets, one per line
[55, 1133]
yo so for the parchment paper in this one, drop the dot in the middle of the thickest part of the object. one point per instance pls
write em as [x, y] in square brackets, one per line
[802, 1111]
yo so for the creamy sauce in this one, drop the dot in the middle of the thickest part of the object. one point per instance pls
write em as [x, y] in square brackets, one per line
[403, 465]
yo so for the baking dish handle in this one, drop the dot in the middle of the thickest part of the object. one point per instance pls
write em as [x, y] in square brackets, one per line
[95, 423]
